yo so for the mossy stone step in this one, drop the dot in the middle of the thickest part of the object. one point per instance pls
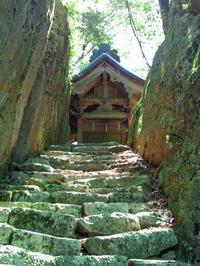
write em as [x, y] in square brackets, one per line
[6, 232]
[127, 196]
[4, 214]
[67, 187]
[67, 147]
[108, 224]
[77, 198]
[59, 208]
[92, 261]
[60, 161]
[11, 255]
[92, 208]
[142, 244]
[139, 262]
[114, 182]
[47, 244]
[118, 222]
[60, 225]
[87, 167]
[104, 208]
[30, 196]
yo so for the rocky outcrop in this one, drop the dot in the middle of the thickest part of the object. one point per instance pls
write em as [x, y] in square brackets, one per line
[33, 67]
[167, 121]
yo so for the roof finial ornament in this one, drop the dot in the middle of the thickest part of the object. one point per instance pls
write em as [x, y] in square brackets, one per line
[104, 48]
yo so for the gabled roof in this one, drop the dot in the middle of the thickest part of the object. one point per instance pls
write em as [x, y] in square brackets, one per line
[104, 57]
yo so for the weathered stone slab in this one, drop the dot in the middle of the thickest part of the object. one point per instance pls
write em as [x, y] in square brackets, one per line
[10, 255]
[66, 147]
[46, 244]
[31, 167]
[108, 224]
[30, 196]
[116, 181]
[150, 219]
[5, 233]
[118, 148]
[68, 209]
[93, 261]
[141, 244]
[76, 198]
[4, 214]
[127, 197]
[44, 222]
[68, 187]
[5, 195]
[60, 161]
[89, 148]
[104, 208]
[50, 177]
[88, 167]
[128, 181]
[139, 207]
[138, 262]
[20, 187]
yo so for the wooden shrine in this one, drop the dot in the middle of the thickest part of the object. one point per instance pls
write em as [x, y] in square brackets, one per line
[103, 99]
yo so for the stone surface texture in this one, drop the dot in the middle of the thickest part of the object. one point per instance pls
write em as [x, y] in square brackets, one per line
[33, 66]
[45, 220]
[167, 120]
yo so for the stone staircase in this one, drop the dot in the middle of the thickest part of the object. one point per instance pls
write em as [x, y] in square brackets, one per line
[83, 205]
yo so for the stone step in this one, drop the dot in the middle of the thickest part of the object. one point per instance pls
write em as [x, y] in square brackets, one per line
[6, 232]
[29, 196]
[69, 209]
[108, 224]
[128, 196]
[61, 161]
[93, 261]
[89, 148]
[20, 187]
[88, 167]
[4, 214]
[107, 208]
[76, 198]
[55, 224]
[67, 147]
[35, 166]
[118, 222]
[114, 182]
[139, 262]
[141, 245]
[67, 187]
[11, 255]
[47, 244]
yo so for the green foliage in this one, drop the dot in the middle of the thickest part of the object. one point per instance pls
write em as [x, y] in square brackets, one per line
[95, 22]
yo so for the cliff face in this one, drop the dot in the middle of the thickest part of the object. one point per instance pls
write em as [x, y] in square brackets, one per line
[166, 127]
[33, 67]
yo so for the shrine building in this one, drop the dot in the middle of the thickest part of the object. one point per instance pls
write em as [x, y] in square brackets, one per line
[103, 98]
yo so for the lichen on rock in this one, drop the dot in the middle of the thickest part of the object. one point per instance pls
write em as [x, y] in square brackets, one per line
[166, 127]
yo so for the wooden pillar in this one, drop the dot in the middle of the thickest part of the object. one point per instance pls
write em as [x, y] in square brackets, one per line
[80, 130]
[105, 84]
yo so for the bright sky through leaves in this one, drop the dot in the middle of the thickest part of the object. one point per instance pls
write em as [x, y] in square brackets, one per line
[124, 40]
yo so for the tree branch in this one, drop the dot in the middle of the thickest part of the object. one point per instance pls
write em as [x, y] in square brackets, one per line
[134, 30]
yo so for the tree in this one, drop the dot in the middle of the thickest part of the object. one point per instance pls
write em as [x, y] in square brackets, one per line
[92, 26]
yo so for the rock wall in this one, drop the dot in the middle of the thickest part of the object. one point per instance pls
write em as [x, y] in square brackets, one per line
[166, 126]
[33, 67]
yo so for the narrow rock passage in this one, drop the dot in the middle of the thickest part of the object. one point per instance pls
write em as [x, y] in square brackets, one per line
[83, 205]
